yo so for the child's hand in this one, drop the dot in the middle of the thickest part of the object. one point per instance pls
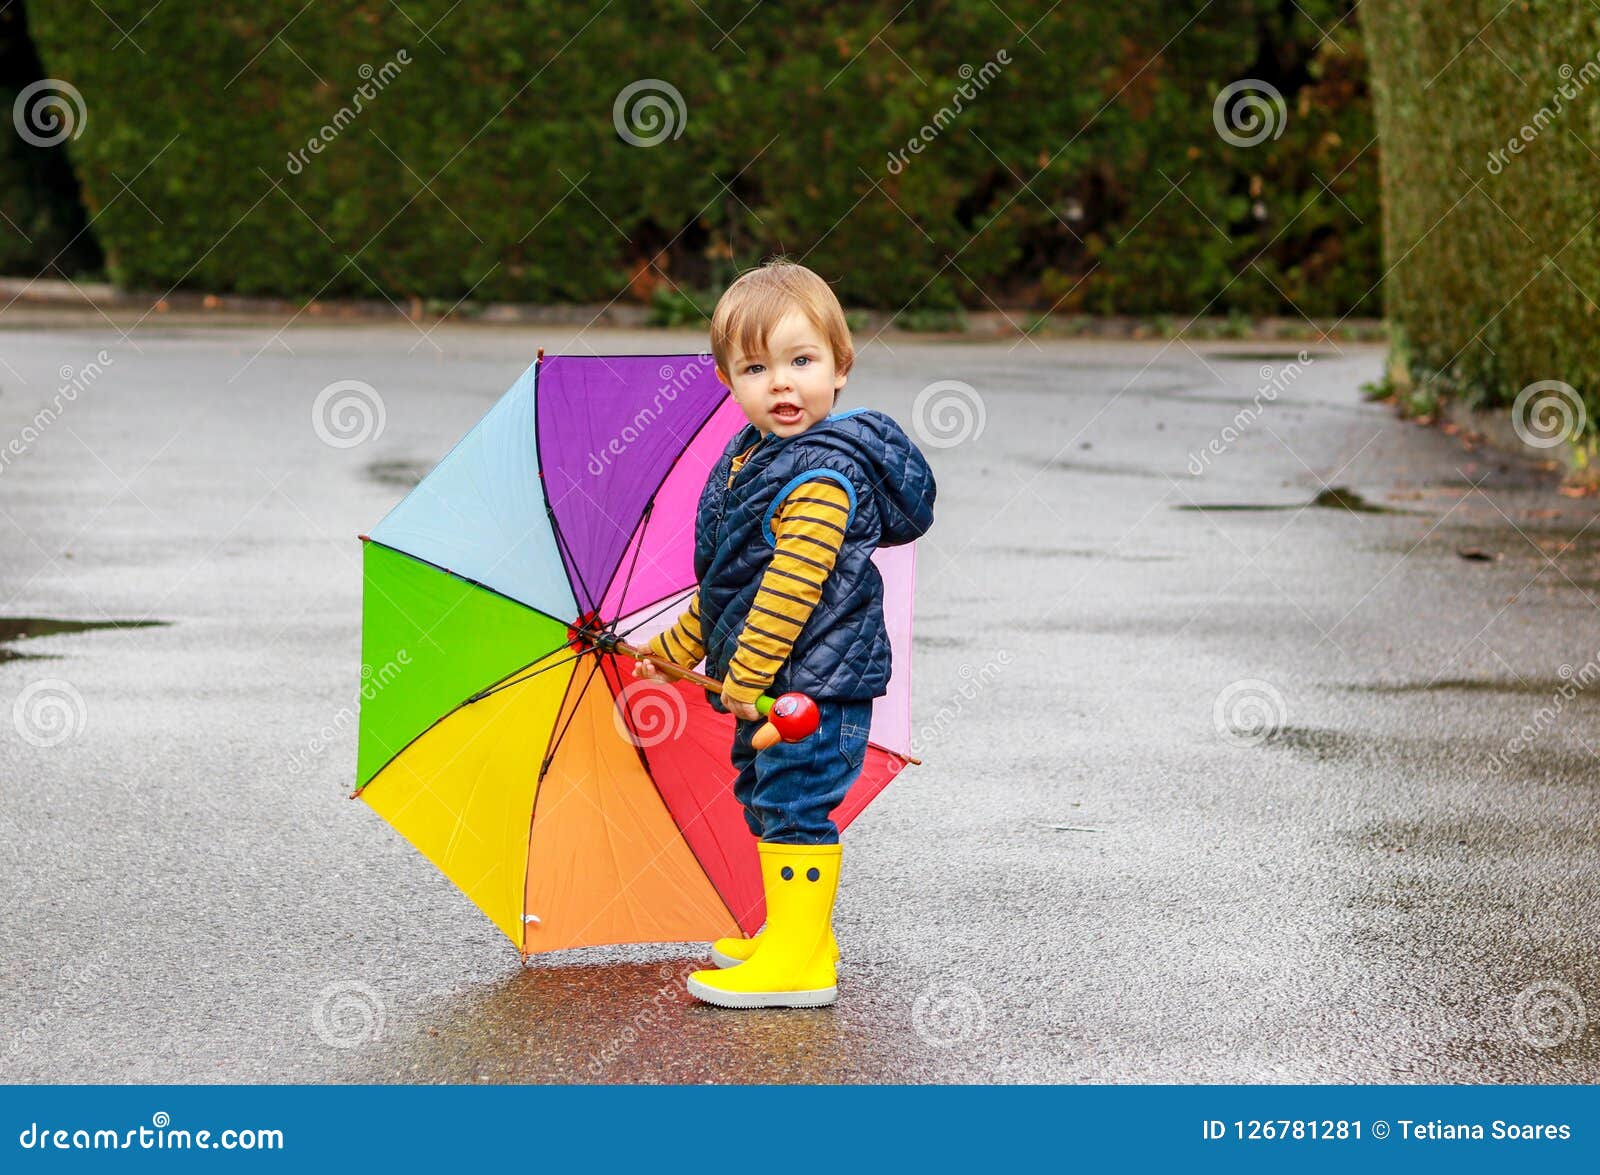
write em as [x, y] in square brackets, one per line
[740, 709]
[644, 667]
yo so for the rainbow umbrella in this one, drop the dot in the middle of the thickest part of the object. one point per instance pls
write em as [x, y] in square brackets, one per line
[575, 804]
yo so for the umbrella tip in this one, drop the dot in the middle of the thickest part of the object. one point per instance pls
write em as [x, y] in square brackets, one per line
[366, 538]
[540, 357]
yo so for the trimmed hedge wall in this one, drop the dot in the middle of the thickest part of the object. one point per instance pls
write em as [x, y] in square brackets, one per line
[1491, 136]
[489, 165]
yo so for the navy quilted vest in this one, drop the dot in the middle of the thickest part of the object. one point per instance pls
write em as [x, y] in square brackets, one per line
[843, 651]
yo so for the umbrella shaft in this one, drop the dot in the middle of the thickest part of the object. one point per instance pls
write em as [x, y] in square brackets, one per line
[667, 667]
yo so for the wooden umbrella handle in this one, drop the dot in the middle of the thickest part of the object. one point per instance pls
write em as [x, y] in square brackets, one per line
[678, 672]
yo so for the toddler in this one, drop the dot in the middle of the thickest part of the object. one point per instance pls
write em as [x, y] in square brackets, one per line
[789, 599]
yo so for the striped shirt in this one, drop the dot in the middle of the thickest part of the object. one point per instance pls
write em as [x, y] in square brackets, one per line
[808, 528]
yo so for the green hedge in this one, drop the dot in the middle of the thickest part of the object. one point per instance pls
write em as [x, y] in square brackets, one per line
[791, 119]
[1494, 254]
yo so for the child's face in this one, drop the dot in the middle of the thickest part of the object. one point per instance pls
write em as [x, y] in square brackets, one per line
[792, 385]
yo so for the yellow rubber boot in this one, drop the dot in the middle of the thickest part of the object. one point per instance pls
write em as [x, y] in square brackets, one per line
[730, 952]
[794, 967]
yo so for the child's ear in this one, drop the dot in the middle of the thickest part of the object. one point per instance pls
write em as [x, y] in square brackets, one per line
[722, 378]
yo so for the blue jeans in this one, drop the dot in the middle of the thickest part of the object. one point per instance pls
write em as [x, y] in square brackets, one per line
[789, 789]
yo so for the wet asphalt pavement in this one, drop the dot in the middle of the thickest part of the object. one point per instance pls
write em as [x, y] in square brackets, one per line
[1219, 777]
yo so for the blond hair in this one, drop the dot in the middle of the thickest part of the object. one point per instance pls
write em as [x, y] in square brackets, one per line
[758, 298]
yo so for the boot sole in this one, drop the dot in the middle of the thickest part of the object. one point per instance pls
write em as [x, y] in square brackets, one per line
[816, 998]
[725, 961]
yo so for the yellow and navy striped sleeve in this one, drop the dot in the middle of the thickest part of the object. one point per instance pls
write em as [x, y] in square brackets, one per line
[683, 644]
[808, 529]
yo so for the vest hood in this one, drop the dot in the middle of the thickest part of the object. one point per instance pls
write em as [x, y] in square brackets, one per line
[900, 480]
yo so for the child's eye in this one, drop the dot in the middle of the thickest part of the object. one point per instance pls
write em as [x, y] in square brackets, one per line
[803, 359]
[752, 369]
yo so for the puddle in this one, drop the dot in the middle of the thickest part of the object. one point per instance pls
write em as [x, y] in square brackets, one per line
[17, 628]
[403, 474]
[1105, 468]
[1572, 554]
[1239, 401]
[1078, 553]
[1514, 838]
[1265, 356]
[1326, 746]
[1541, 689]
[938, 642]
[1335, 497]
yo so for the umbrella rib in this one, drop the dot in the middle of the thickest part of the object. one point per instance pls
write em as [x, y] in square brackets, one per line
[538, 793]
[463, 578]
[549, 505]
[672, 602]
[511, 681]
[477, 697]
[693, 436]
[627, 580]
[555, 743]
[640, 872]
[683, 831]
[561, 541]
[538, 788]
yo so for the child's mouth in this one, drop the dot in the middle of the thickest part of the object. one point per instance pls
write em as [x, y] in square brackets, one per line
[788, 413]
